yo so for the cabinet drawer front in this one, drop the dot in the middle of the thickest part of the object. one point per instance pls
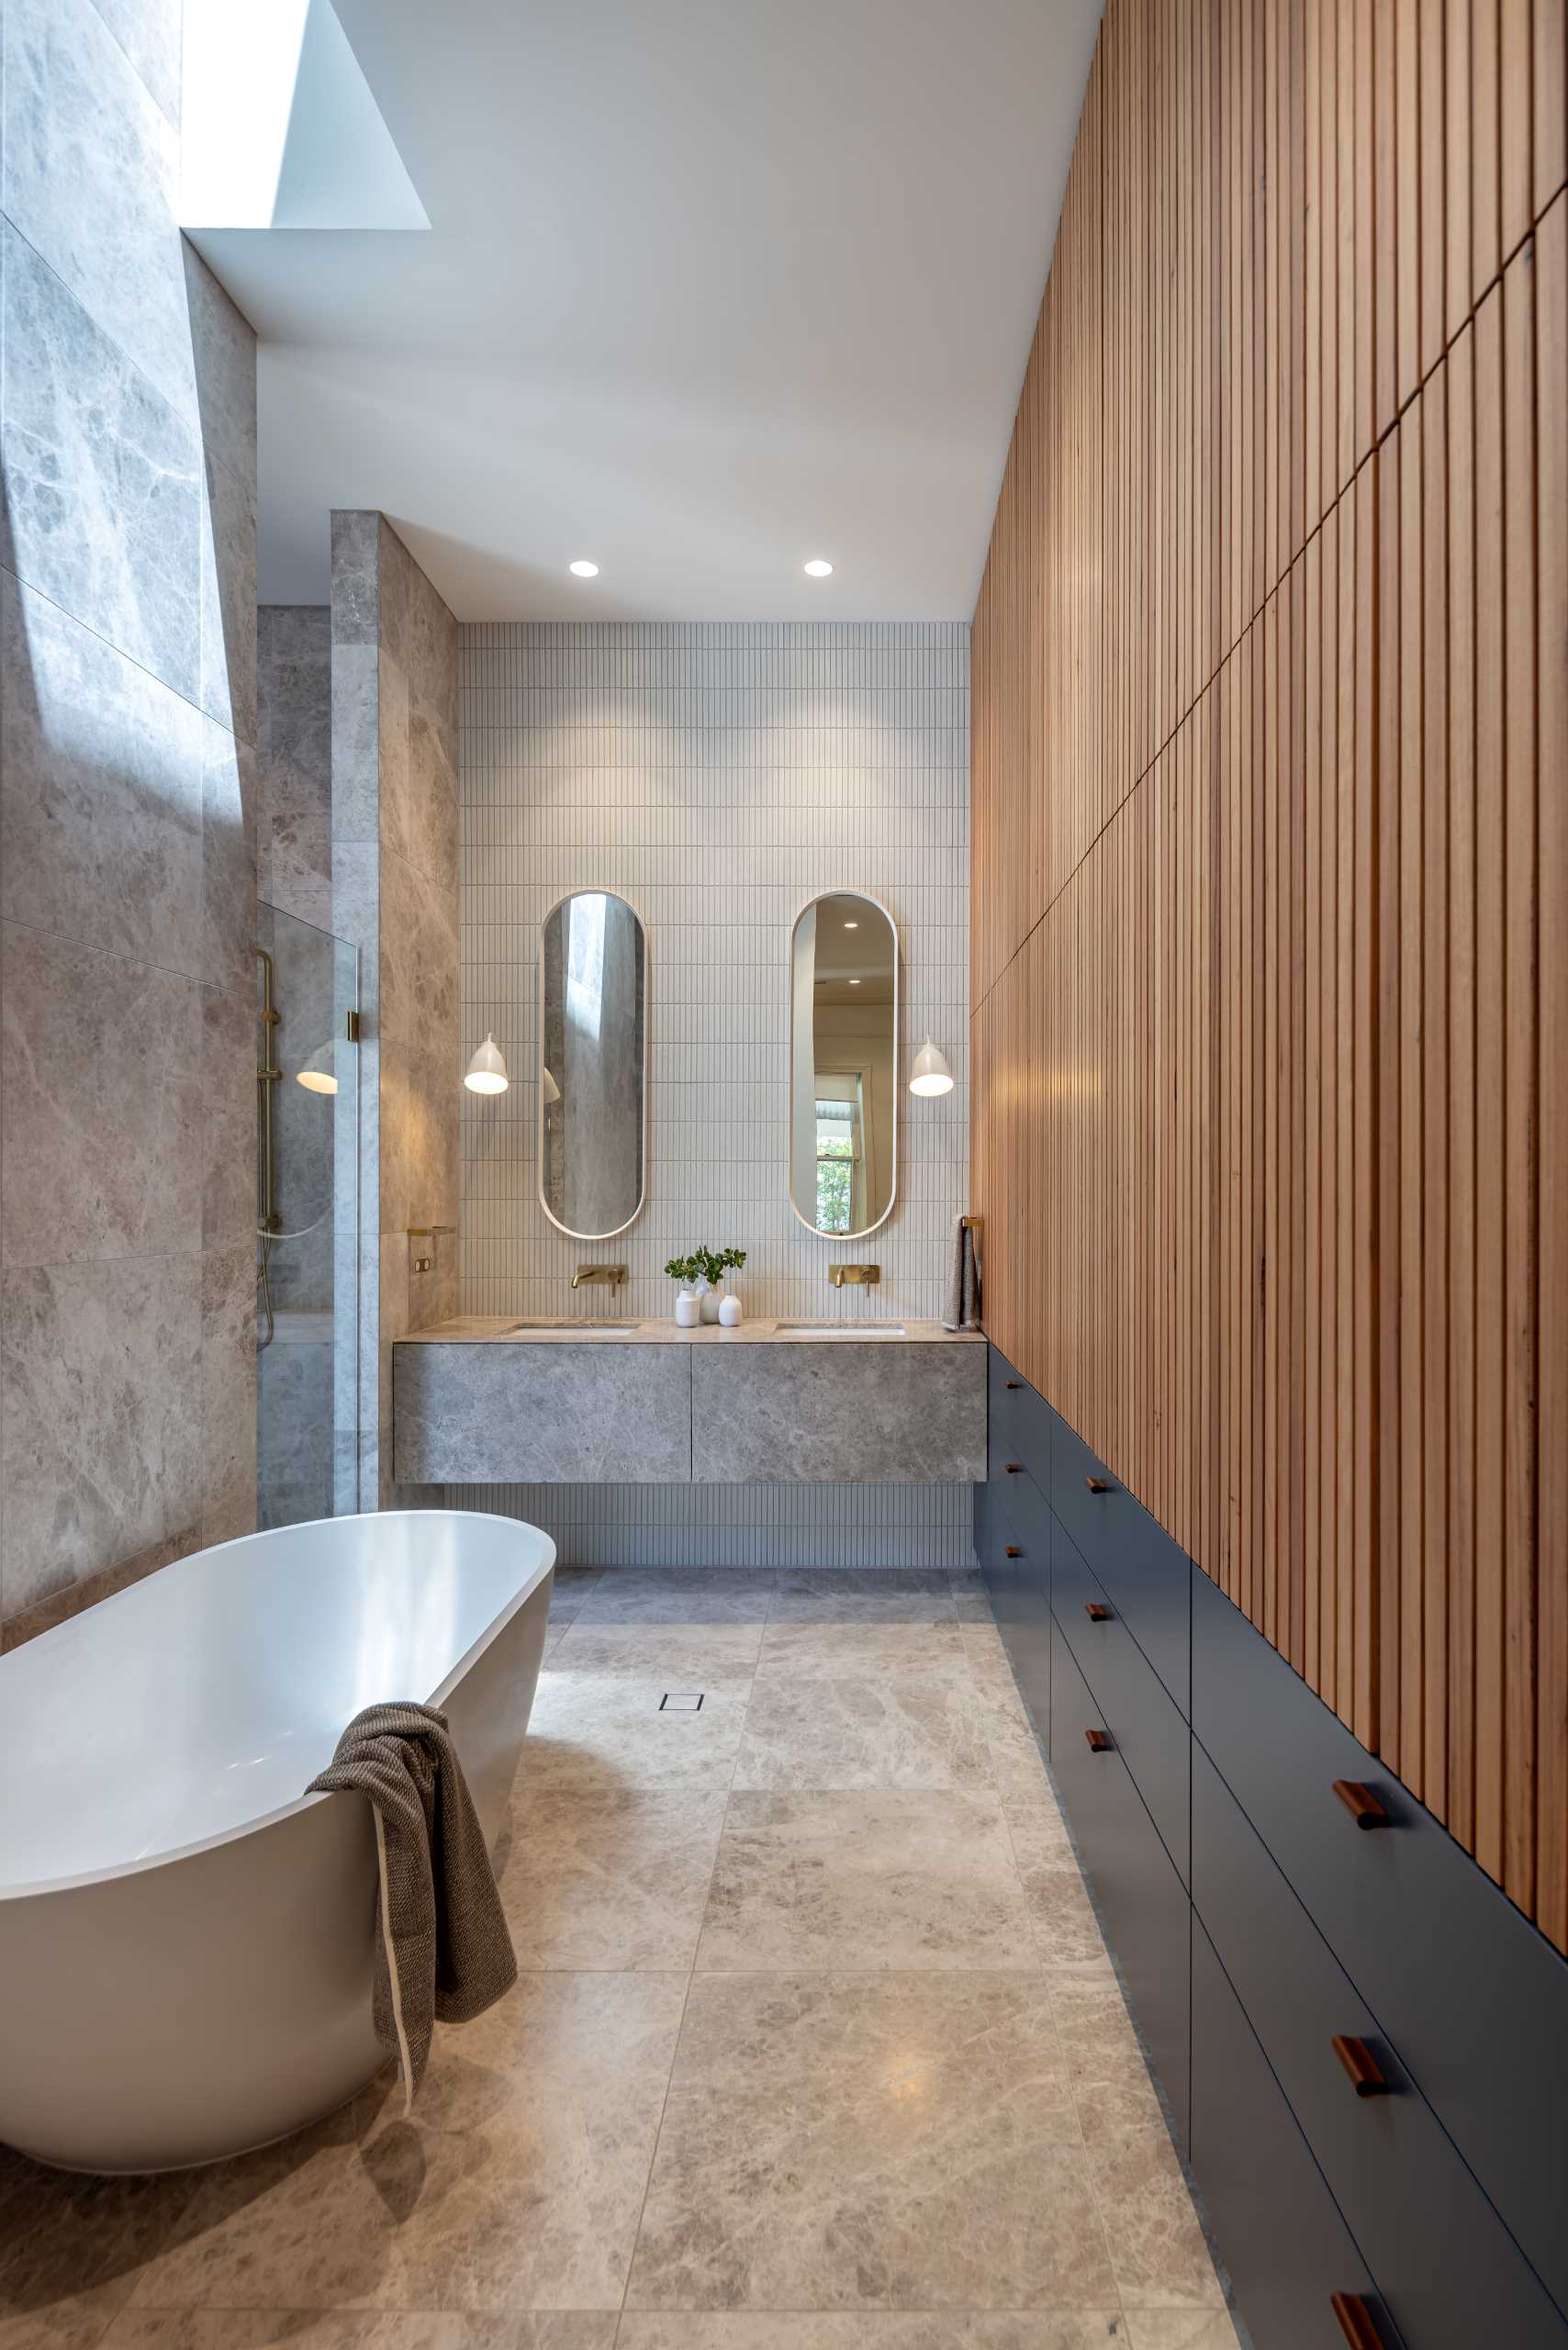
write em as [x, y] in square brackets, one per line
[1018, 1576]
[1276, 2225]
[1145, 1573]
[1151, 1736]
[1472, 1999]
[1445, 2265]
[1142, 1900]
[1012, 1485]
[1021, 1420]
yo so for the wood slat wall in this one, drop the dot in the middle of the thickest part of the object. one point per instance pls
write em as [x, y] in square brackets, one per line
[1270, 920]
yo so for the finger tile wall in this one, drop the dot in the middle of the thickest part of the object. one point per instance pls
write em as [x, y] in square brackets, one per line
[718, 776]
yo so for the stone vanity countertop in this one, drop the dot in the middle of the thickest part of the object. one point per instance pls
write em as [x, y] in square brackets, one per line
[500, 1329]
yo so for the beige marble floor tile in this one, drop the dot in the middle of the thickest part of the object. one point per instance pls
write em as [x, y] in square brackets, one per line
[361, 2330]
[1066, 1931]
[872, 2330]
[868, 1595]
[1180, 2330]
[1158, 2250]
[602, 1733]
[971, 1598]
[516, 2185]
[696, 1655]
[679, 1596]
[1017, 1765]
[861, 1650]
[885, 1880]
[844, 2142]
[818, 1733]
[609, 1881]
[567, 1592]
[73, 2248]
[1104, 2059]
[983, 1643]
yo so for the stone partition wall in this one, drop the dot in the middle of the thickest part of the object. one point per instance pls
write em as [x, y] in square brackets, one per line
[127, 679]
[394, 849]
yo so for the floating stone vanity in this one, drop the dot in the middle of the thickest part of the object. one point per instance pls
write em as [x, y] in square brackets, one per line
[481, 1400]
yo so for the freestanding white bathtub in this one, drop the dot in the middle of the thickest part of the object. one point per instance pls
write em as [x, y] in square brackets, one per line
[186, 1941]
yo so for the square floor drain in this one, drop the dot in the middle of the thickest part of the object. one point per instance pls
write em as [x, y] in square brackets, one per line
[682, 1701]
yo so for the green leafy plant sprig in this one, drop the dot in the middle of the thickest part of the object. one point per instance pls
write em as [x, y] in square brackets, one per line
[705, 1265]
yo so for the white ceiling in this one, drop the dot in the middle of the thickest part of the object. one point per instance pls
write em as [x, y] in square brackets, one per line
[710, 286]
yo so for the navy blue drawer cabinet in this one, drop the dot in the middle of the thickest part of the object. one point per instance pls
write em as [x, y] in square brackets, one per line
[1279, 2229]
[1017, 1572]
[1472, 1997]
[1141, 1899]
[1447, 2268]
[1364, 2042]
[1151, 1736]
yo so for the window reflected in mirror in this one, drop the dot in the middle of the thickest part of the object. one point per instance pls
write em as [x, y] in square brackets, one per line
[844, 1052]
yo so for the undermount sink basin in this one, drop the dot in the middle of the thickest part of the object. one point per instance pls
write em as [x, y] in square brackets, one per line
[841, 1330]
[612, 1324]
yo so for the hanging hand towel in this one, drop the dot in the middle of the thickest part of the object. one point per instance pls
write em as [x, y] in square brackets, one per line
[442, 1949]
[962, 1311]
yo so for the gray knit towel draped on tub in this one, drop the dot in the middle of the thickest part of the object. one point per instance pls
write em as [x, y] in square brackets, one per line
[442, 1949]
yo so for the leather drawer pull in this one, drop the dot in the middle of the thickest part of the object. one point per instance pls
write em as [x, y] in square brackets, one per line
[1361, 1803]
[1013, 1384]
[1099, 1741]
[1012, 1551]
[1095, 1613]
[1366, 2075]
[1100, 1484]
[1013, 1467]
[1356, 2322]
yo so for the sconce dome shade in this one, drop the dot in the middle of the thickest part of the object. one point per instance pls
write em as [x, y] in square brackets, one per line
[551, 1090]
[487, 1070]
[931, 1073]
[317, 1075]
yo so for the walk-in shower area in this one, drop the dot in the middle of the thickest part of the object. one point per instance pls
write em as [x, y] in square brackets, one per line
[307, 1220]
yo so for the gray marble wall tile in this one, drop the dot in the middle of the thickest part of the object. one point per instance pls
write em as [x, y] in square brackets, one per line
[148, 31]
[228, 1393]
[294, 737]
[103, 478]
[227, 1161]
[100, 1376]
[101, 1149]
[356, 743]
[223, 357]
[228, 796]
[90, 178]
[296, 1422]
[229, 599]
[356, 535]
[420, 1173]
[101, 828]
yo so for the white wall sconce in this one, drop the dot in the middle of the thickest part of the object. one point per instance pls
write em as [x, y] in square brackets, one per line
[551, 1090]
[488, 1069]
[318, 1075]
[931, 1073]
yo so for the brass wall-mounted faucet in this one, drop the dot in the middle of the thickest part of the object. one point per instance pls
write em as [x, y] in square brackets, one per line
[858, 1276]
[612, 1274]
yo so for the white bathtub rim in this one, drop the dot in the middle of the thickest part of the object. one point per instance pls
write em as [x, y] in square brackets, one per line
[33, 1887]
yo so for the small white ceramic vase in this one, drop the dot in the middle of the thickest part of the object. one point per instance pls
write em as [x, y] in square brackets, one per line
[687, 1310]
[729, 1312]
[712, 1300]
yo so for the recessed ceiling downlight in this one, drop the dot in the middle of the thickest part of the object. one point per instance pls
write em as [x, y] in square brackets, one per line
[819, 569]
[584, 570]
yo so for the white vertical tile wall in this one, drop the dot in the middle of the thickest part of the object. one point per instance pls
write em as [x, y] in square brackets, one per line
[718, 775]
